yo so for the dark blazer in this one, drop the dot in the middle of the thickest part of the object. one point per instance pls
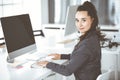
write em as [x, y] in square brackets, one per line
[85, 60]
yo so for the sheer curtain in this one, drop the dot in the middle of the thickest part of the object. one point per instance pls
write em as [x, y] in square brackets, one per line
[117, 12]
[106, 11]
[10, 7]
[60, 10]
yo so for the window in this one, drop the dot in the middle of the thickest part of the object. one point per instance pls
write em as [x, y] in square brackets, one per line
[16, 7]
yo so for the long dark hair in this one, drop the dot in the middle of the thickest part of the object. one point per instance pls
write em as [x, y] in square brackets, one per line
[90, 8]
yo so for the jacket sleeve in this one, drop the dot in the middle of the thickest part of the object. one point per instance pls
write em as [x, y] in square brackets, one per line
[65, 56]
[78, 59]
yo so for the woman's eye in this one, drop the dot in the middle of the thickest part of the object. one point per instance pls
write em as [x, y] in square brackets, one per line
[76, 20]
[83, 20]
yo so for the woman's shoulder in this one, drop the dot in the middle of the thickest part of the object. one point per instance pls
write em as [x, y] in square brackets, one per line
[91, 40]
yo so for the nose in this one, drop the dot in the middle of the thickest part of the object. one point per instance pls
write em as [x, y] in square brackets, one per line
[79, 24]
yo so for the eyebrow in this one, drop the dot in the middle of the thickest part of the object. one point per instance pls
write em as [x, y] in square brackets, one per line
[81, 18]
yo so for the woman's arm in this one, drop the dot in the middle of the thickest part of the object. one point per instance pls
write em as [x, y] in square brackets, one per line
[65, 56]
[57, 56]
[76, 61]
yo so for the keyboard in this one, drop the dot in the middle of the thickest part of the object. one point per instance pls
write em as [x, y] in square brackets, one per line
[35, 65]
[36, 56]
[47, 58]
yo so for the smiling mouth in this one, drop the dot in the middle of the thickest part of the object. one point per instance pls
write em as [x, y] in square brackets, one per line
[81, 28]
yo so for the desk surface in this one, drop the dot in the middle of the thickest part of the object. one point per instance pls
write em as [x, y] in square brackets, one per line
[8, 72]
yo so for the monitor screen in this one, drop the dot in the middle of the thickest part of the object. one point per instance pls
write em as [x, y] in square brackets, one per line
[18, 35]
[70, 20]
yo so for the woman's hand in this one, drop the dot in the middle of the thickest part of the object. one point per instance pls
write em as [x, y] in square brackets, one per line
[56, 56]
[42, 63]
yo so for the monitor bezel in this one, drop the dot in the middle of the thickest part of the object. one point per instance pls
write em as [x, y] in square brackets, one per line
[21, 51]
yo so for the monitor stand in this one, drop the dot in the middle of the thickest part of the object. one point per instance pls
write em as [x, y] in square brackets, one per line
[10, 60]
[17, 62]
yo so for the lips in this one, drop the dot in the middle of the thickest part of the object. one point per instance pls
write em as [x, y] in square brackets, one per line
[81, 28]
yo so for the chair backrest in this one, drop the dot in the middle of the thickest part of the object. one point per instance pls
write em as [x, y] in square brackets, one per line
[107, 76]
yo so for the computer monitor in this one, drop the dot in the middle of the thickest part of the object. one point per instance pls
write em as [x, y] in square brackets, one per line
[70, 20]
[18, 35]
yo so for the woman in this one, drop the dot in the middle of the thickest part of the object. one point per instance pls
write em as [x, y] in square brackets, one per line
[84, 61]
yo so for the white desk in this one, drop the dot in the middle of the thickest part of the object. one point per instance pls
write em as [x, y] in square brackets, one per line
[7, 72]
[26, 72]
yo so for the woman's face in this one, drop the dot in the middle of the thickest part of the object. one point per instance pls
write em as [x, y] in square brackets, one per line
[83, 21]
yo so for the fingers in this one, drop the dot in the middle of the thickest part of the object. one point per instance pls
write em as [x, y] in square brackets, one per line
[42, 63]
[53, 54]
[56, 56]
